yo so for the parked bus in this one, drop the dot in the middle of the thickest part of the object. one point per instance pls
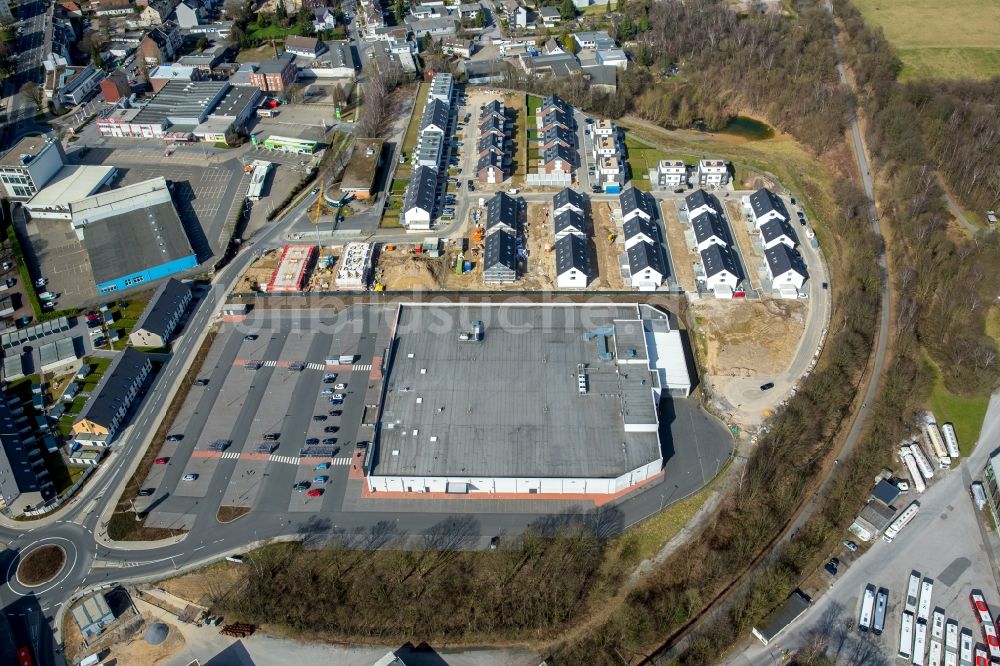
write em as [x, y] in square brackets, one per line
[980, 608]
[924, 609]
[919, 642]
[912, 592]
[965, 649]
[992, 641]
[935, 653]
[906, 635]
[881, 604]
[867, 609]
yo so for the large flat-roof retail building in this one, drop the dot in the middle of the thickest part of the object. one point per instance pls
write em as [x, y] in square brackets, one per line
[534, 399]
[29, 165]
[132, 235]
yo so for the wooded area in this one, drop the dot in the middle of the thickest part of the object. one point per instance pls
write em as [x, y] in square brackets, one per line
[439, 589]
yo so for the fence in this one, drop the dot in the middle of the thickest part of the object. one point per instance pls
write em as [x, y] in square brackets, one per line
[550, 179]
[54, 504]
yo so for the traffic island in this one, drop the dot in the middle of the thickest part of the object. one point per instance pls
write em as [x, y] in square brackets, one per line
[41, 565]
[228, 514]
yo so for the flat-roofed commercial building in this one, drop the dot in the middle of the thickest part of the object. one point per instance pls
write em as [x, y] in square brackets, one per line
[70, 184]
[545, 399]
[132, 235]
[29, 166]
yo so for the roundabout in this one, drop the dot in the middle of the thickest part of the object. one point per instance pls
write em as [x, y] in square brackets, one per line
[42, 566]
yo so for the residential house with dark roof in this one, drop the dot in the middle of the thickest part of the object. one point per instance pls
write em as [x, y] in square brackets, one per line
[558, 160]
[567, 199]
[494, 108]
[647, 269]
[776, 231]
[491, 143]
[557, 136]
[490, 170]
[500, 258]
[435, 118]
[709, 229]
[162, 315]
[636, 203]
[555, 118]
[493, 125]
[722, 274]
[550, 16]
[553, 103]
[766, 205]
[161, 44]
[699, 202]
[573, 267]
[569, 223]
[712, 173]
[786, 268]
[640, 230]
[502, 213]
[105, 410]
[419, 198]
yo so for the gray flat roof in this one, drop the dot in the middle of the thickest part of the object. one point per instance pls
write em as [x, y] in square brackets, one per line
[510, 406]
[134, 241]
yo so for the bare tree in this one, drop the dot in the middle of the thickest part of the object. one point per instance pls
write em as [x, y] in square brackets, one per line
[33, 92]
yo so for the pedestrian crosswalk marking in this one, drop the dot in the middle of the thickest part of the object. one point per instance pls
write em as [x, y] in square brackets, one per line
[341, 461]
[270, 364]
[316, 366]
[230, 454]
[365, 367]
[285, 459]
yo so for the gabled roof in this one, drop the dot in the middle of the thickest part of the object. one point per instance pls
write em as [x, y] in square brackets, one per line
[556, 117]
[718, 258]
[570, 220]
[436, 113]
[557, 133]
[490, 159]
[708, 225]
[764, 201]
[168, 299]
[111, 393]
[567, 196]
[781, 259]
[502, 209]
[633, 199]
[639, 225]
[549, 12]
[553, 100]
[700, 198]
[490, 141]
[571, 252]
[302, 43]
[776, 228]
[558, 151]
[645, 255]
[494, 107]
[492, 123]
[501, 249]
[421, 190]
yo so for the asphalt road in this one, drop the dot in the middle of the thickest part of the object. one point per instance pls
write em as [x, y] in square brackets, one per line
[20, 109]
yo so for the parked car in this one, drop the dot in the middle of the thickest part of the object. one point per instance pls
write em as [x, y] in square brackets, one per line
[250, 338]
[330, 429]
[335, 412]
[146, 492]
[301, 485]
[161, 461]
[851, 546]
[190, 477]
[202, 381]
[341, 386]
[175, 437]
[321, 479]
[329, 441]
[338, 396]
[319, 417]
[312, 440]
[328, 391]
[272, 436]
[315, 492]
[322, 465]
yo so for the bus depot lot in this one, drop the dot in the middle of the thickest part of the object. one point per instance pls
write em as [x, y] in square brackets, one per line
[947, 542]
[240, 405]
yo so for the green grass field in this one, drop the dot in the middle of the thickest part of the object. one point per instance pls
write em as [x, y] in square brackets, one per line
[641, 158]
[951, 40]
[410, 139]
[966, 414]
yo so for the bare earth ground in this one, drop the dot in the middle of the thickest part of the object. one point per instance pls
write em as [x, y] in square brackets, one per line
[607, 251]
[200, 585]
[259, 272]
[747, 338]
[739, 227]
[541, 270]
[683, 255]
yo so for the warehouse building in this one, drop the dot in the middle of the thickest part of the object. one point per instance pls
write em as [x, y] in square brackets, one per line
[545, 399]
[132, 235]
[69, 185]
[162, 315]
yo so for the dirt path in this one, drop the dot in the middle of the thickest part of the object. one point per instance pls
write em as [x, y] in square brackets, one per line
[683, 256]
[607, 251]
[740, 230]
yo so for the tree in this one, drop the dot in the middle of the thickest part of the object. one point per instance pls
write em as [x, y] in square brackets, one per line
[95, 56]
[337, 94]
[281, 14]
[620, 7]
[34, 93]
[567, 9]
[201, 44]
[607, 7]
[568, 43]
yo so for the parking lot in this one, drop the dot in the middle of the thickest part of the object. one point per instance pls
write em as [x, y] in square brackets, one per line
[240, 404]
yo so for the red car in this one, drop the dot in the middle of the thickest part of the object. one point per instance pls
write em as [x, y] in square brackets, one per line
[161, 461]
[315, 492]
